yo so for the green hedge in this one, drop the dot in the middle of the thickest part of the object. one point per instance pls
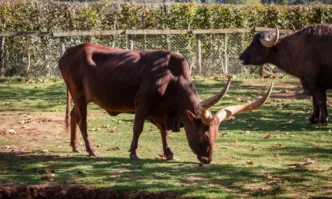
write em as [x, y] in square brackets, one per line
[56, 16]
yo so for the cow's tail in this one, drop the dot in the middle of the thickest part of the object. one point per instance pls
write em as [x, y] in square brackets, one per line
[67, 118]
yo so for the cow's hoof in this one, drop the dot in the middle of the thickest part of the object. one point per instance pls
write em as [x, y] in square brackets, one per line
[313, 120]
[94, 154]
[77, 150]
[135, 157]
[172, 157]
[322, 123]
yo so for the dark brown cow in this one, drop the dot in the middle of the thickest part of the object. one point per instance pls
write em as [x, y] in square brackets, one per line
[154, 85]
[305, 54]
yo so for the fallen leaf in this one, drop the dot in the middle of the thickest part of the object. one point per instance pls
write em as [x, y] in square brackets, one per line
[11, 131]
[268, 176]
[250, 162]
[253, 148]
[161, 157]
[290, 121]
[278, 145]
[226, 134]
[309, 161]
[113, 149]
[267, 136]
[44, 151]
[45, 171]
[49, 177]
[245, 132]
[112, 130]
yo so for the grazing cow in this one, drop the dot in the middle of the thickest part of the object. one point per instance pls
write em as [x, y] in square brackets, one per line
[154, 85]
[304, 54]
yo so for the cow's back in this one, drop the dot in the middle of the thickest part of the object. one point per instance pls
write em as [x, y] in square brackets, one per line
[112, 78]
[108, 77]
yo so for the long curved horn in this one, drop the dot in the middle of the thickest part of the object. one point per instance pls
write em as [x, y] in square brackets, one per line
[204, 105]
[232, 110]
[269, 42]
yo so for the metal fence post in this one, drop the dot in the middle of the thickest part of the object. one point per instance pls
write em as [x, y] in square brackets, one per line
[131, 42]
[62, 46]
[198, 54]
[226, 55]
[2, 56]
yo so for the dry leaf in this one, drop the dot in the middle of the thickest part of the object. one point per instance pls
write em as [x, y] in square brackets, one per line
[161, 157]
[250, 162]
[290, 121]
[45, 171]
[253, 148]
[113, 149]
[267, 136]
[49, 177]
[278, 145]
[309, 161]
[112, 130]
[11, 131]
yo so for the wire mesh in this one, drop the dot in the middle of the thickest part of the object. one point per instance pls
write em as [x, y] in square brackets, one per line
[38, 56]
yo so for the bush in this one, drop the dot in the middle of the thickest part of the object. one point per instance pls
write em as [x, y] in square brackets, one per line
[58, 16]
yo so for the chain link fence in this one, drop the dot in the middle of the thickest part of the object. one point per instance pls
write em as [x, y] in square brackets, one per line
[207, 54]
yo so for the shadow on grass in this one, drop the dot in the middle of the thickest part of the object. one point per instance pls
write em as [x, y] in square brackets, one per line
[159, 176]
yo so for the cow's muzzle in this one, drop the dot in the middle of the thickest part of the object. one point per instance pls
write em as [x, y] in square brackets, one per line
[204, 160]
[244, 58]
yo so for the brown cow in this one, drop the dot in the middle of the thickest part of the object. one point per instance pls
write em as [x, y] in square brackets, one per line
[154, 85]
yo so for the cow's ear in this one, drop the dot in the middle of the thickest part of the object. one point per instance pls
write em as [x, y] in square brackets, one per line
[192, 117]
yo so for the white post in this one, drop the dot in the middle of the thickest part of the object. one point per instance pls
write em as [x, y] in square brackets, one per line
[198, 54]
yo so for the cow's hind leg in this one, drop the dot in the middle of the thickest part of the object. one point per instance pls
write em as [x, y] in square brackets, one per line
[74, 124]
[313, 119]
[81, 111]
[319, 102]
[315, 112]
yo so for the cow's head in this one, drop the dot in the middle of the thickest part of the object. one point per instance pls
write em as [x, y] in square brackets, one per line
[257, 52]
[204, 126]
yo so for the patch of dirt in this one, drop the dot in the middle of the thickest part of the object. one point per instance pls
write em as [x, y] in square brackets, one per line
[83, 192]
[281, 90]
[32, 129]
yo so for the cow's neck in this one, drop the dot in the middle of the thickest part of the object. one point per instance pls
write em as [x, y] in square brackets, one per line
[189, 101]
[279, 56]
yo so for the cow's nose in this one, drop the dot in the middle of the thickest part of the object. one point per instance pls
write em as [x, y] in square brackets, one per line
[204, 160]
[241, 57]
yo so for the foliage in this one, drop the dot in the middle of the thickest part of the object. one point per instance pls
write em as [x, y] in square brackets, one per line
[59, 16]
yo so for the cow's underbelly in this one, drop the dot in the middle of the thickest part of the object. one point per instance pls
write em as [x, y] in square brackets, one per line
[112, 100]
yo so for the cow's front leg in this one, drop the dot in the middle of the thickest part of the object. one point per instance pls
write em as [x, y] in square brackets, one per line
[167, 150]
[137, 130]
[315, 111]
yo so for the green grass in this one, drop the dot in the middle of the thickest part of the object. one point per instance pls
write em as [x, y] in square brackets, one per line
[278, 169]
